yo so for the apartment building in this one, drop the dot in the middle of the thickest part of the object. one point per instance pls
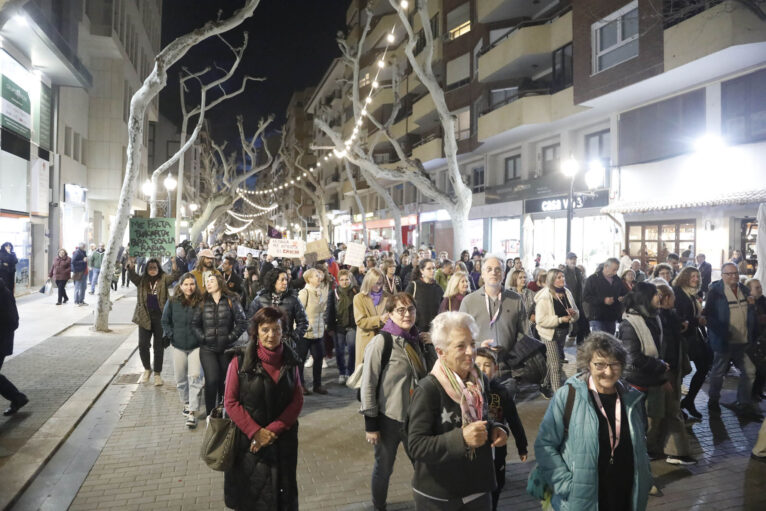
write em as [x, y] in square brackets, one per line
[622, 89]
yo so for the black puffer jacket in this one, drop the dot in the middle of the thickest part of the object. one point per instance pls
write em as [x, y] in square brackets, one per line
[597, 288]
[217, 326]
[641, 370]
[297, 322]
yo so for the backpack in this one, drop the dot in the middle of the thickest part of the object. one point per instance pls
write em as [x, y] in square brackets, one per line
[385, 356]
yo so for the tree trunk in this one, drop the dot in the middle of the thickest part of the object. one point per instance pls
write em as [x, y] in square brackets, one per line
[179, 191]
[350, 177]
[215, 207]
[390, 204]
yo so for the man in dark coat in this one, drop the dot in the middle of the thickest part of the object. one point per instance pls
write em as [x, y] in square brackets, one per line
[602, 297]
[233, 281]
[8, 262]
[574, 282]
[9, 322]
[706, 273]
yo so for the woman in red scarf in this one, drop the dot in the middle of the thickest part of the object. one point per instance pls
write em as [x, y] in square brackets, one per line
[449, 434]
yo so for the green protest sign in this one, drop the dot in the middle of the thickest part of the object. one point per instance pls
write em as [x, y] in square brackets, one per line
[152, 237]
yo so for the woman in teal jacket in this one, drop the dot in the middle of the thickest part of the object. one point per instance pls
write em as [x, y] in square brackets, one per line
[601, 464]
[177, 328]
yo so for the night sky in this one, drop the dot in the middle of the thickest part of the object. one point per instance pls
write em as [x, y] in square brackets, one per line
[292, 42]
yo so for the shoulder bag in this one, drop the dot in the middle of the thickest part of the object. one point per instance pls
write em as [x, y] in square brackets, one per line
[218, 443]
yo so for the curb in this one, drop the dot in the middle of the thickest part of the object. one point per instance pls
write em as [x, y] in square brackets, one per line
[22, 467]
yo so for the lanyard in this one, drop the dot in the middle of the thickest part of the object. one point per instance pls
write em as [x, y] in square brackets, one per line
[153, 288]
[391, 284]
[614, 438]
[497, 312]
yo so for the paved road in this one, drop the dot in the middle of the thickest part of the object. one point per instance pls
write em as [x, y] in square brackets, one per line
[150, 461]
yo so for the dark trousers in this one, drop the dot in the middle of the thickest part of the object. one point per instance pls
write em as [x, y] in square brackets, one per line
[125, 281]
[499, 461]
[7, 389]
[483, 503]
[385, 456]
[316, 346]
[145, 342]
[583, 327]
[214, 366]
[702, 356]
[61, 285]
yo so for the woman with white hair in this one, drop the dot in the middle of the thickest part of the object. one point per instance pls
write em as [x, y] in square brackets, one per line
[314, 299]
[449, 433]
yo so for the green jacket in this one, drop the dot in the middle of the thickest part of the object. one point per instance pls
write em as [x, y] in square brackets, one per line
[177, 325]
[441, 279]
[141, 314]
[95, 259]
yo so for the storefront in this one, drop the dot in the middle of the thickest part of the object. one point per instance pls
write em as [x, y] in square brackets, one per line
[381, 232]
[74, 217]
[17, 229]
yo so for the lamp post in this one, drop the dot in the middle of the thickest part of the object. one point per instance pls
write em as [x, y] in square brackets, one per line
[170, 185]
[570, 168]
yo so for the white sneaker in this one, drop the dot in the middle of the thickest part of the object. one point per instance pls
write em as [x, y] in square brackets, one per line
[186, 409]
[158, 380]
[191, 421]
[324, 364]
[145, 376]
[309, 362]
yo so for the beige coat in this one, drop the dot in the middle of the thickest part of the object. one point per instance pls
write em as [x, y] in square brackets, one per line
[314, 301]
[545, 316]
[368, 321]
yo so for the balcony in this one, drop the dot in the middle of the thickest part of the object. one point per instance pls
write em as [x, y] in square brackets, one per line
[424, 111]
[401, 128]
[491, 11]
[428, 149]
[379, 29]
[720, 27]
[530, 107]
[383, 96]
[526, 49]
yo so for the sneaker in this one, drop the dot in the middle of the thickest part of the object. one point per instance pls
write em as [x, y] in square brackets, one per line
[330, 361]
[684, 389]
[15, 407]
[145, 376]
[186, 409]
[680, 460]
[342, 379]
[158, 380]
[83, 304]
[309, 362]
[655, 492]
[58, 303]
[191, 420]
[306, 391]
[546, 392]
[654, 456]
[324, 364]
[320, 390]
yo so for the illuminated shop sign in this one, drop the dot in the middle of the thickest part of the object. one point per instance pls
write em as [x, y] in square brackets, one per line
[556, 203]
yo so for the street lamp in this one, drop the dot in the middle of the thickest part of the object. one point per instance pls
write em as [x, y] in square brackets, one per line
[170, 185]
[193, 207]
[570, 168]
[147, 187]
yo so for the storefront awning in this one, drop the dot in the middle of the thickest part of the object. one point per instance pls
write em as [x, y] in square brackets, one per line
[730, 199]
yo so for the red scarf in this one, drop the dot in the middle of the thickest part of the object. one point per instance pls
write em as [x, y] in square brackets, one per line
[271, 360]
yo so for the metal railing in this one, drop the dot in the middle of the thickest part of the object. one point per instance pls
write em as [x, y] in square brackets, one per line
[522, 94]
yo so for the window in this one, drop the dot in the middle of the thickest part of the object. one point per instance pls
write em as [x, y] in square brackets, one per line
[398, 194]
[597, 148]
[562, 68]
[459, 21]
[477, 179]
[743, 108]
[513, 168]
[459, 71]
[364, 81]
[651, 242]
[76, 147]
[500, 97]
[614, 39]
[68, 141]
[463, 124]
[435, 26]
[551, 159]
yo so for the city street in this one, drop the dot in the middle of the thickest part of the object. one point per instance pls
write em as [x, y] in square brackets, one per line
[131, 449]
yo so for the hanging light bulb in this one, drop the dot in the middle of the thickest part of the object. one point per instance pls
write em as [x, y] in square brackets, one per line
[390, 38]
[375, 84]
[381, 63]
[404, 4]
[368, 100]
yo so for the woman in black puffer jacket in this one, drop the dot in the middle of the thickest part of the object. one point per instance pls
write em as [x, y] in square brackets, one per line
[276, 294]
[217, 324]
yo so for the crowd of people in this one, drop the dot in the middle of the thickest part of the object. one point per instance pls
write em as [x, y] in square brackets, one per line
[438, 349]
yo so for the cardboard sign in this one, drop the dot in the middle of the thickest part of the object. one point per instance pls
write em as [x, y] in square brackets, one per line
[320, 248]
[152, 237]
[355, 254]
[243, 251]
[286, 248]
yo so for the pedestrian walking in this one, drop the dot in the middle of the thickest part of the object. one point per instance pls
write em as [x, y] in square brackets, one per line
[457, 289]
[449, 433]
[8, 262]
[177, 319]
[314, 299]
[217, 324]
[276, 294]
[95, 262]
[369, 312]
[124, 259]
[251, 285]
[575, 281]
[9, 322]
[60, 272]
[152, 293]
[598, 461]
[263, 398]
[392, 284]
[344, 325]
[602, 297]
[394, 361]
[426, 293]
[79, 274]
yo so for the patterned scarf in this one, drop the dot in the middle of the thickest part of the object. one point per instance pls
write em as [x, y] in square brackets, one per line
[276, 299]
[469, 394]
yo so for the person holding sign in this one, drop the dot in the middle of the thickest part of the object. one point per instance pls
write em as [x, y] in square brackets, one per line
[152, 294]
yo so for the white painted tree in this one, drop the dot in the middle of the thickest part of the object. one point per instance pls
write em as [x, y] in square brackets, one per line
[360, 152]
[187, 140]
[305, 180]
[140, 101]
[359, 204]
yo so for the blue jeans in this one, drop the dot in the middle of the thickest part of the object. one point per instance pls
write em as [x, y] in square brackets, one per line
[736, 352]
[603, 326]
[343, 340]
[79, 289]
[94, 278]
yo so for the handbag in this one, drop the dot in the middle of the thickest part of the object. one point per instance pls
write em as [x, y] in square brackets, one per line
[77, 275]
[756, 350]
[217, 450]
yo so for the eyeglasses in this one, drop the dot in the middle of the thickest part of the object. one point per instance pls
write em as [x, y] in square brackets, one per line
[401, 311]
[601, 366]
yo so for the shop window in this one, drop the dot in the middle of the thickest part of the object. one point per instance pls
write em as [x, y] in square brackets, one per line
[551, 158]
[743, 108]
[459, 21]
[562, 68]
[652, 242]
[477, 179]
[513, 168]
[614, 39]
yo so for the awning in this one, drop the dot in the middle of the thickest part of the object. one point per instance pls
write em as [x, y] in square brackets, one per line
[730, 199]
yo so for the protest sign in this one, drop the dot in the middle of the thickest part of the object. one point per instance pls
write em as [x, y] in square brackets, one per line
[320, 248]
[355, 254]
[243, 251]
[152, 237]
[286, 248]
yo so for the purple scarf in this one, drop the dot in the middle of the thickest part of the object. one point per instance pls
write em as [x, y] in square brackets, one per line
[376, 297]
[397, 331]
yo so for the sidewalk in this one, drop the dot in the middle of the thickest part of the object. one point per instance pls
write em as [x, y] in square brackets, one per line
[62, 367]
[151, 461]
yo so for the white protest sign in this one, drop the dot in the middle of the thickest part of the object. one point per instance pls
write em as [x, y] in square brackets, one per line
[243, 251]
[286, 248]
[355, 254]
